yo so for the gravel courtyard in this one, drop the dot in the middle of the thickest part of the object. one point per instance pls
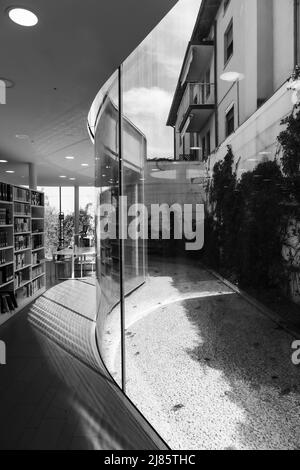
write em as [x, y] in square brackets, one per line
[212, 372]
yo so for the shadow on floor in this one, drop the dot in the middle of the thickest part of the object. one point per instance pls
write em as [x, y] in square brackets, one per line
[54, 393]
[254, 357]
[243, 364]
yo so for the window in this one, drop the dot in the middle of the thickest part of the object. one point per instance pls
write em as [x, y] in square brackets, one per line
[226, 3]
[208, 143]
[203, 87]
[203, 149]
[207, 81]
[228, 42]
[230, 121]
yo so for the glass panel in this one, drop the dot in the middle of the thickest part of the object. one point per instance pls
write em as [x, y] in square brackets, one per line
[195, 343]
[134, 158]
[51, 219]
[107, 215]
[153, 178]
[67, 208]
[87, 216]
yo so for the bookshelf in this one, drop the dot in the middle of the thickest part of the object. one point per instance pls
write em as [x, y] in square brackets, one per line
[22, 248]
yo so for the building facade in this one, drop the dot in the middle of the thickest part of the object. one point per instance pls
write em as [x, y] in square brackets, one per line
[232, 85]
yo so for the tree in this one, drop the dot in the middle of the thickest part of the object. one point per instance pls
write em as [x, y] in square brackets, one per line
[51, 229]
[86, 224]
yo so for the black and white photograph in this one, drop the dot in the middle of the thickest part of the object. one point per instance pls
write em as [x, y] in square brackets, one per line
[150, 228]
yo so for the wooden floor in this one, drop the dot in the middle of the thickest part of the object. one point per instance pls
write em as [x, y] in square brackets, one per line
[55, 394]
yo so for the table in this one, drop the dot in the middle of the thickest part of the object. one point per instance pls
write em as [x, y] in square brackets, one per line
[74, 254]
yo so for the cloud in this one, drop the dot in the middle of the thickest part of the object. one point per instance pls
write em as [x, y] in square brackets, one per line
[145, 102]
[148, 109]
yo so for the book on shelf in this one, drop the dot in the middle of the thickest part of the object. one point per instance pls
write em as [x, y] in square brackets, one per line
[4, 304]
[3, 239]
[6, 194]
[22, 242]
[3, 257]
[5, 216]
[21, 225]
[37, 199]
[8, 302]
[22, 209]
[21, 194]
[6, 274]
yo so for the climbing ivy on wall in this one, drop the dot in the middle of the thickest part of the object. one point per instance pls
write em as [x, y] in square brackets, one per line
[225, 204]
[289, 140]
[244, 222]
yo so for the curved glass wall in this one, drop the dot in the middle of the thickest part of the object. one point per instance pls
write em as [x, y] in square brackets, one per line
[192, 178]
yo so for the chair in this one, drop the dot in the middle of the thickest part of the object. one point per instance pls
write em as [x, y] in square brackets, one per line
[84, 262]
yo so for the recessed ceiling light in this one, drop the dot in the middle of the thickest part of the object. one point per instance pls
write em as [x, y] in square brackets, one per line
[62, 176]
[22, 16]
[70, 158]
[84, 164]
[22, 136]
[10, 171]
[3, 161]
[72, 179]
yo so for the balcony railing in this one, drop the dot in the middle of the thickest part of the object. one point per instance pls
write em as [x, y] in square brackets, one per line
[190, 157]
[196, 95]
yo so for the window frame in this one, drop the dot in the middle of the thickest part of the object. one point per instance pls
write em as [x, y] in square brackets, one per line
[203, 148]
[208, 143]
[227, 57]
[207, 81]
[229, 110]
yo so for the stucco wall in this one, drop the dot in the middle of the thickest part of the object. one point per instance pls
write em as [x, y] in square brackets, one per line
[283, 29]
[258, 134]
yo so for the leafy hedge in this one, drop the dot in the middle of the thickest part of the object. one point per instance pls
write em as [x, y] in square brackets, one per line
[245, 217]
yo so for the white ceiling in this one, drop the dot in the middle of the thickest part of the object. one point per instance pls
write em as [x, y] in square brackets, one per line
[58, 67]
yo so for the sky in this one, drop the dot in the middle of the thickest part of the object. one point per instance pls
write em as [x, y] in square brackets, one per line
[151, 74]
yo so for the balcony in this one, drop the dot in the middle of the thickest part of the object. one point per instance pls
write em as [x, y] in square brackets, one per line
[197, 105]
[197, 61]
